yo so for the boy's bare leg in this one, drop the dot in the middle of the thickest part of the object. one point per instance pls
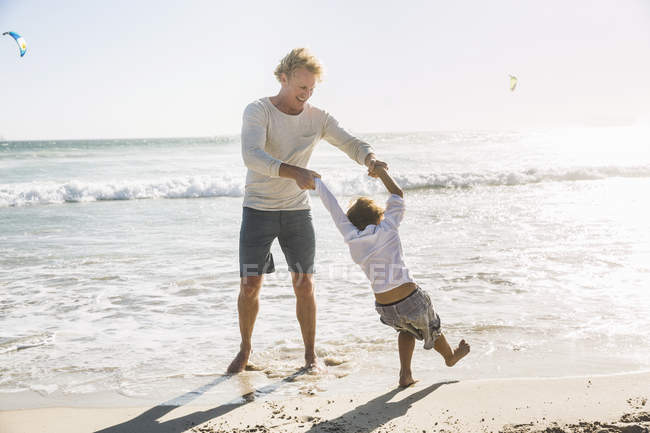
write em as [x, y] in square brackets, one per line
[406, 344]
[451, 357]
[303, 287]
[248, 304]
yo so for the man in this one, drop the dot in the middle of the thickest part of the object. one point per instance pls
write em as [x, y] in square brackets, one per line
[278, 136]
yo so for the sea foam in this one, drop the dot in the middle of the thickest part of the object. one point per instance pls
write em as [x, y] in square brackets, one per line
[36, 193]
[79, 191]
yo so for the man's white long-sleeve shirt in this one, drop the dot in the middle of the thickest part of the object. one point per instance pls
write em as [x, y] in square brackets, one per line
[377, 248]
[270, 137]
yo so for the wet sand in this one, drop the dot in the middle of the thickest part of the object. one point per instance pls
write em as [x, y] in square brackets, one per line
[603, 404]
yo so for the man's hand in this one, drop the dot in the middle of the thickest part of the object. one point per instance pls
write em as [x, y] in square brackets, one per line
[304, 178]
[372, 162]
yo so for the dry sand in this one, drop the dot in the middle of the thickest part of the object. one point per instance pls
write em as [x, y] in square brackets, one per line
[616, 403]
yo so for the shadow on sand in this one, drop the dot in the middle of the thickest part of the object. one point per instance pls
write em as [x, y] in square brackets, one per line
[375, 413]
[364, 418]
[148, 420]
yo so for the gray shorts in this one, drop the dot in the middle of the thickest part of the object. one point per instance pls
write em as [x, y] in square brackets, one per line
[259, 228]
[413, 314]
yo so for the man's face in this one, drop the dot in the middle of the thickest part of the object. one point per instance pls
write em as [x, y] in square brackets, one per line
[298, 87]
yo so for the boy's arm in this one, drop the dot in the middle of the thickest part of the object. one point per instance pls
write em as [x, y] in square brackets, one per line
[394, 212]
[388, 181]
[332, 205]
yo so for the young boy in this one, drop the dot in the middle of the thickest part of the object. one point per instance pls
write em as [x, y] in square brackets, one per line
[373, 238]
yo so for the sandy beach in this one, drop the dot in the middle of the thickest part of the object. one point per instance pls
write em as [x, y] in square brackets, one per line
[157, 154]
[614, 403]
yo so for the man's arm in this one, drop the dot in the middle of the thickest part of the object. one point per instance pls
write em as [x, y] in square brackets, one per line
[388, 181]
[303, 177]
[356, 149]
[253, 139]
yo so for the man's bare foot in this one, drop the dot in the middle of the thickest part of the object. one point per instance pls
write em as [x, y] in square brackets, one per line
[253, 367]
[239, 363]
[406, 382]
[406, 379]
[459, 353]
[313, 365]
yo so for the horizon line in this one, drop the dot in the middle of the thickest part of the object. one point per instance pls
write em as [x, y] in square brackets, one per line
[421, 131]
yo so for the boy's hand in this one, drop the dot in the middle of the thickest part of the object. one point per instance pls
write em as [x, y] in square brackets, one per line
[305, 178]
[372, 163]
[387, 180]
[376, 172]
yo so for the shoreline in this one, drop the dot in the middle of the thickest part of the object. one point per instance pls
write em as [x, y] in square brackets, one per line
[594, 403]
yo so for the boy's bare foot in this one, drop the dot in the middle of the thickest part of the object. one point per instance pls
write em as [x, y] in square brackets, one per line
[239, 363]
[459, 353]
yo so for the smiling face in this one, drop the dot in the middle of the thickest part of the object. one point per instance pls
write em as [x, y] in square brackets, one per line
[296, 90]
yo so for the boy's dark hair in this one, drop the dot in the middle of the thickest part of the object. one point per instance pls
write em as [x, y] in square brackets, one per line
[364, 212]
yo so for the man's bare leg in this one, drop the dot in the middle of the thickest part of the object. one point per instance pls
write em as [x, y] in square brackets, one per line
[303, 287]
[406, 344]
[248, 304]
[451, 357]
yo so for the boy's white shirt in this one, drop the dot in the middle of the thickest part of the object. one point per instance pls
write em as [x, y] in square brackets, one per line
[377, 248]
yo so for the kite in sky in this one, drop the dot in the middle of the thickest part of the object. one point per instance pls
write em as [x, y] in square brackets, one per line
[19, 40]
[513, 82]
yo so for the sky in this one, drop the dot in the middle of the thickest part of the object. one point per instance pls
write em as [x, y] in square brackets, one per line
[140, 68]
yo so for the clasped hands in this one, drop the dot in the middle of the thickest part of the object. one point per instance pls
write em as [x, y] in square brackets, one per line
[305, 178]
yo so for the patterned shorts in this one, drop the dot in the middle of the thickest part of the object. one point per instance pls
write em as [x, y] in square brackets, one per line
[413, 314]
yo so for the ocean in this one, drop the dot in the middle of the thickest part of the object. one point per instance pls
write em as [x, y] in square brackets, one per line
[119, 274]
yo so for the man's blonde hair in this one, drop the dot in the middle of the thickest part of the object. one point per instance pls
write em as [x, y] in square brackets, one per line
[299, 58]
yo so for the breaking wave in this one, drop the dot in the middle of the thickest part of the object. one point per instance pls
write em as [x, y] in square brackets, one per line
[37, 193]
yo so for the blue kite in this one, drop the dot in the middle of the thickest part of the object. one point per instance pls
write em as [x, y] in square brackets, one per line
[22, 45]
